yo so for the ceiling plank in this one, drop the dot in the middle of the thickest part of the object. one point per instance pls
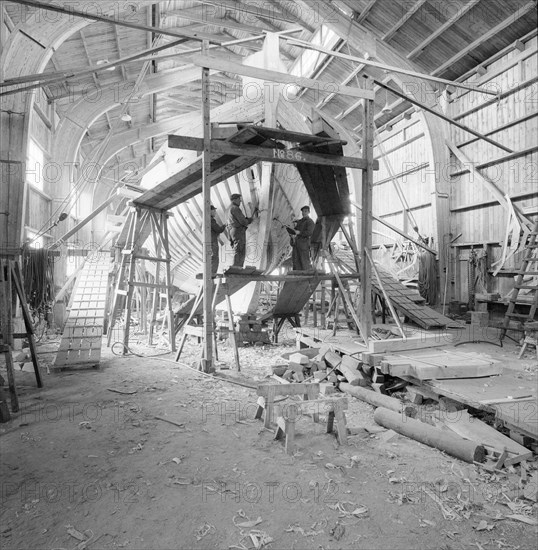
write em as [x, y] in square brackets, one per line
[458, 15]
[186, 35]
[394, 29]
[194, 14]
[520, 12]
[254, 9]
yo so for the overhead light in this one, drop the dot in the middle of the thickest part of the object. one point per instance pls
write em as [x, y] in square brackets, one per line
[104, 62]
[126, 117]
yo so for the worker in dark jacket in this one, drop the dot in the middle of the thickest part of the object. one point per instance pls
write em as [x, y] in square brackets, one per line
[304, 228]
[237, 229]
[216, 230]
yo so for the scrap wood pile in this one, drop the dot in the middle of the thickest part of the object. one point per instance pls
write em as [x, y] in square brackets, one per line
[421, 415]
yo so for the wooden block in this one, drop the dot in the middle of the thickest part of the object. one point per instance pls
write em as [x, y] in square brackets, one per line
[298, 376]
[500, 462]
[326, 388]
[286, 389]
[377, 376]
[415, 397]
[299, 358]
[531, 488]
[516, 459]
[413, 342]
[332, 359]
[295, 367]
[449, 405]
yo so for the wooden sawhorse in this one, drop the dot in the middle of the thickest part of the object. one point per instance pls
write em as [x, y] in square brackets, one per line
[286, 417]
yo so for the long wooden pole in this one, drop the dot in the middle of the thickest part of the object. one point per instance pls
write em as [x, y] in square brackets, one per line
[392, 69]
[45, 79]
[366, 220]
[444, 117]
[397, 230]
[207, 360]
[58, 76]
[122, 22]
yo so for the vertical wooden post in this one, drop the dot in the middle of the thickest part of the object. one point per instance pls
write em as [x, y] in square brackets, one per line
[323, 316]
[366, 221]
[207, 360]
[155, 300]
[132, 265]
[231, 328]
[168, 257]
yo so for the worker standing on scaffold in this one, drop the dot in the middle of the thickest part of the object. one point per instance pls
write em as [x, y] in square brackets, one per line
[237, 229]
[304, 229]
[216, 230]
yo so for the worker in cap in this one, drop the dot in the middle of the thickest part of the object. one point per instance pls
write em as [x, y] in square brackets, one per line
[304, 228]
[237, 229]
[216, 230]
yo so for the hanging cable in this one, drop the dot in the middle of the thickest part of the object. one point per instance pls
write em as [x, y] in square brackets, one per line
[427, 277]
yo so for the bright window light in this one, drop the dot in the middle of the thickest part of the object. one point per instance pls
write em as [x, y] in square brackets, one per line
[35, 165]
[308, 62]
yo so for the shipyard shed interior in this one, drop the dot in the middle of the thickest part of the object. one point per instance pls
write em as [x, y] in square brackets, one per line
[369, 383]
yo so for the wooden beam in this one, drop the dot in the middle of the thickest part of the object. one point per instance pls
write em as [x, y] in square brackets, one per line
[444, 117]
[82, 223]
[286, 156]
[364, 13]
[489, 185]
[65, 75]
[520, 12]
[366, 220]
[399, 231]
[185, 34]
[222, 64]
[201, 15]
[58, 76]
[209, 330]
[390, 68]
[394, 29]
[428, 40]
[253, 9]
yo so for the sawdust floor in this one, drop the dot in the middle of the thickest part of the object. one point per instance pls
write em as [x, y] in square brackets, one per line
[85, 467]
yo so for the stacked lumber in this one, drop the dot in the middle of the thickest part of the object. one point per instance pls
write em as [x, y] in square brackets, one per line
[440, 365]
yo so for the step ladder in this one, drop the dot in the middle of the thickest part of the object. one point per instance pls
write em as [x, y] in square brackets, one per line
[142, 223]
[528, 268]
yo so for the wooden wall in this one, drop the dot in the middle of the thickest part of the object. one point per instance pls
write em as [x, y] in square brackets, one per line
[511, 119]
[403, 151]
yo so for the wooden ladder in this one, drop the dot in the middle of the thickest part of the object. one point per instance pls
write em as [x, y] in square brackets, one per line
[529, 267]
[140, 224]
[10, 277]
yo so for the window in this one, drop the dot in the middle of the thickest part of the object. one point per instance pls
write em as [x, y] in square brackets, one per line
[35, 165]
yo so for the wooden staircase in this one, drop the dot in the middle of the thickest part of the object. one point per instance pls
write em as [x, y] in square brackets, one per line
[80, 345]
[528, 268]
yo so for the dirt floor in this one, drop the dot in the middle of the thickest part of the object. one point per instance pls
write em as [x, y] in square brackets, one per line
[89, 463]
